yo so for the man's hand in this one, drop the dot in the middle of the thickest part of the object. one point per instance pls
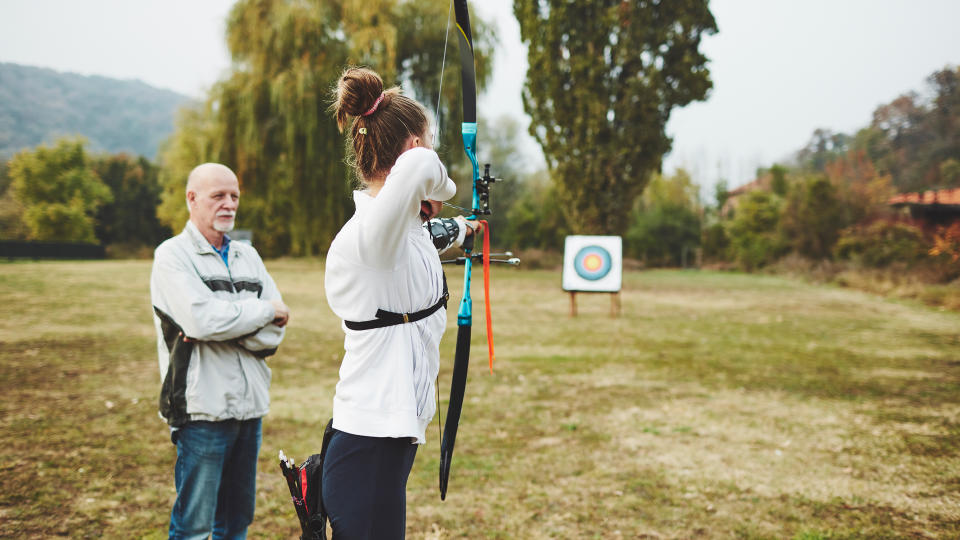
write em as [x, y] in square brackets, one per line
[281, 313]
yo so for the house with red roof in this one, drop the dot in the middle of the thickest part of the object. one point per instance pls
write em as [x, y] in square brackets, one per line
[931, 208]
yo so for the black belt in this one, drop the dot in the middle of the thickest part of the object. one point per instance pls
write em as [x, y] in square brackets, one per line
[388, 318]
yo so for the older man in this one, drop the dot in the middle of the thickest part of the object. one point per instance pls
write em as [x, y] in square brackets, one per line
[218, 316]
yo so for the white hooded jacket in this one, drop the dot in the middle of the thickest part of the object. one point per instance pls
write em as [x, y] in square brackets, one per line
[383, 258]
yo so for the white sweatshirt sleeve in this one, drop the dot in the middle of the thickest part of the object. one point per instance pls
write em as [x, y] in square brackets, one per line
[417, 175]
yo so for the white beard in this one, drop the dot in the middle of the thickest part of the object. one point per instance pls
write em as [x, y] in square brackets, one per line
[223, 227]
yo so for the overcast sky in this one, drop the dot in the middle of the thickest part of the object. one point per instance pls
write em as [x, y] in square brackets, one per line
[781, 68]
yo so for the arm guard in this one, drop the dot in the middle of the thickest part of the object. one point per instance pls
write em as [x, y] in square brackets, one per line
[446, 232]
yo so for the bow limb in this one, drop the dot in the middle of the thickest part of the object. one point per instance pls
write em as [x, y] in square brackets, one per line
[465, 313]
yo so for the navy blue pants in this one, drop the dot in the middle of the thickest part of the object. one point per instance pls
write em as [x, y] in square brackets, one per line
[365, 486]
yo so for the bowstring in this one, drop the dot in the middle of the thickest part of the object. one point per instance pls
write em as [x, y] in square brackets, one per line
[443, 68]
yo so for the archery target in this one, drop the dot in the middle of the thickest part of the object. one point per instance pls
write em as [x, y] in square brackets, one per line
[592, 263]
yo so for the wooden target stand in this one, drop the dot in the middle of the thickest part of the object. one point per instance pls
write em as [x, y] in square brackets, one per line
[614, 302]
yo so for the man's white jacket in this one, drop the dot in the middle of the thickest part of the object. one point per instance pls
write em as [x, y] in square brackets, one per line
[214, 329]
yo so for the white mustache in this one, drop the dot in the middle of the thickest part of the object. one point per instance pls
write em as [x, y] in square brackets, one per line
[226, 214]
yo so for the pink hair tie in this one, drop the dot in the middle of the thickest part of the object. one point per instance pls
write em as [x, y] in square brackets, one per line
[375, 105]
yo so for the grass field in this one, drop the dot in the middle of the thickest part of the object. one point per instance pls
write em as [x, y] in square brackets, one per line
[717, 406]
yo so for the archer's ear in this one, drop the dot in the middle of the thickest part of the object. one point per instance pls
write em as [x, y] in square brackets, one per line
[412, 142]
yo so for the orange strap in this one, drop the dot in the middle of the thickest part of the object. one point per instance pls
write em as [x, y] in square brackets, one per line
[303, 482]
[486, 287]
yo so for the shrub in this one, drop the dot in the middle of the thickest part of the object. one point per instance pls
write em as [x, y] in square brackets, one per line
[714, 242]
[813, 217]
[534, 218]
[661, 235]
[946, 242]
[755, 239]
[881, 244]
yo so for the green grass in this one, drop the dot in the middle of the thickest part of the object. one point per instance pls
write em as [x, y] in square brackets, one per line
[718, 405]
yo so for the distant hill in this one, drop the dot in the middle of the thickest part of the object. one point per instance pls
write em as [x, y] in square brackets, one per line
[38, 105]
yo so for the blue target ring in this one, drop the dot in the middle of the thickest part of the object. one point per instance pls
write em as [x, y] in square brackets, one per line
[592, 262]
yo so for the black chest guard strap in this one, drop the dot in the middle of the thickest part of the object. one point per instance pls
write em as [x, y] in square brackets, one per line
[389, 318]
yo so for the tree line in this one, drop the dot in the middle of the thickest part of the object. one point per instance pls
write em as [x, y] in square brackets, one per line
[832, 202]
[600, 100]
[604, 79]
[66, 193]
[829, 202]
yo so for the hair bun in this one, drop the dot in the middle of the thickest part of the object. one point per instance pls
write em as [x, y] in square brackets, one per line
[357, 91]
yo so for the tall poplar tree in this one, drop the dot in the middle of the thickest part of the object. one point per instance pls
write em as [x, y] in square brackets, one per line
[603, 79]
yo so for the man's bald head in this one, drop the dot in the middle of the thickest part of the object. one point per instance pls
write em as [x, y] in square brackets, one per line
[205, 172]
[213, 194]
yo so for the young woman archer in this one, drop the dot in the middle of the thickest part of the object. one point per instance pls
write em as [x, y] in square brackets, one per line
[383, 278]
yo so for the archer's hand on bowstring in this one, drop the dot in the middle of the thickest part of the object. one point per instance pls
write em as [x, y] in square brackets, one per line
[429, 209]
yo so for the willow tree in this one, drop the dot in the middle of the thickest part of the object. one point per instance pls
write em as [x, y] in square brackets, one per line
[269, 119]
[273, 125]
[603, 79]
[192, 143]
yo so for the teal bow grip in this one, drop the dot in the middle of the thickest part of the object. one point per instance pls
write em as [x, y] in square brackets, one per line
[469, 132]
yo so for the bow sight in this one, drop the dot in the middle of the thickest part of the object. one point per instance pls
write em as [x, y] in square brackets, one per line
[483, 191]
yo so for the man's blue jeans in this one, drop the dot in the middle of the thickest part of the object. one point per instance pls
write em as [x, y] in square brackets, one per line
[216, 479]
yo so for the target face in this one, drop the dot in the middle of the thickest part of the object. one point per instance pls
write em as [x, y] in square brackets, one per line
[592, 263]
